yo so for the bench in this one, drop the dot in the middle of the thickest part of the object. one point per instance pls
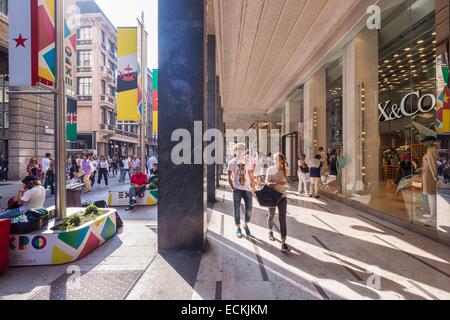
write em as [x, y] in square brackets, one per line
[122, 198]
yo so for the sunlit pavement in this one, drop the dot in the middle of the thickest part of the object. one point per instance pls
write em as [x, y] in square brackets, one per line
[337, 253]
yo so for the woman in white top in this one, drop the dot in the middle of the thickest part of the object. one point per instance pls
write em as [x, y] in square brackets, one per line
[303, 172]
[103, 170]
[277, 179]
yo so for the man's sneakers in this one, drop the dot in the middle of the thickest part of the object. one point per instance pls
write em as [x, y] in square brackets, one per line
[271, 236]
[285, 248]
[239, 233]
[247, 231]
[130, 208]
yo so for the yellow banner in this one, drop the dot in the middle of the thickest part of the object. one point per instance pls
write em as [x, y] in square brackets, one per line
[127, 75]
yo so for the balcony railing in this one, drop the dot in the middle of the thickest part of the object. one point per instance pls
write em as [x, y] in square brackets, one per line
[85, 98]
[84, 42]
[107, 127]
[84, 69]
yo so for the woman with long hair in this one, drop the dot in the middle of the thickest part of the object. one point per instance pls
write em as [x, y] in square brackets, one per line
[277, 179]
[33, 168]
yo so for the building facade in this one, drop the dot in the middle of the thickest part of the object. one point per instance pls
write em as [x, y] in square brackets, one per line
[98, 130]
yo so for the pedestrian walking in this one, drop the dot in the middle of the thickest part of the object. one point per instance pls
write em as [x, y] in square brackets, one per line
[88, 169]
[114, 165]
[103, 171]
[277, 179]
[33, 168]
[303, 172]
[242, 183]
[315, 168]
[95, 169]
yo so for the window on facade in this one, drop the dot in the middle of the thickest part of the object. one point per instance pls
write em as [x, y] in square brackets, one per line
[85, 33]
[4, 7]
[103, 119]
[112, 46]
[84, 58]
[112, 91]
[103, 59]
[85, 86]
[112, 118]
[103, 87]
[103, 36]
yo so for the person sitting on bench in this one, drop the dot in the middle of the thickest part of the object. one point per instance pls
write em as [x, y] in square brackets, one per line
[139, 181]
[31, 196]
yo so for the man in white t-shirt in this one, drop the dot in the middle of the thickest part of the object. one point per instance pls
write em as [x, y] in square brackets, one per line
[242, 182]
[150, 162]
[135, 163]
[31, 196]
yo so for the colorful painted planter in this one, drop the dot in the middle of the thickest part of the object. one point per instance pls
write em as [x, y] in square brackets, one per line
[122, 198]
[49, 247]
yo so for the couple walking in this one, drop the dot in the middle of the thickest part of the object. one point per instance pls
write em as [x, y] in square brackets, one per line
[242, 182]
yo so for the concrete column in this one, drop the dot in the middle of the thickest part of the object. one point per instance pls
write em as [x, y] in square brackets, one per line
[315, 109]
[212, 111]
[182, 215]
[361, 70]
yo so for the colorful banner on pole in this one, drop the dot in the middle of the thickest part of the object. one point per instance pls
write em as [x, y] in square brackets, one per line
[70, 28]
[155, 101]
[443, 101]
[128, 99]
[32, 35]
[71, 119]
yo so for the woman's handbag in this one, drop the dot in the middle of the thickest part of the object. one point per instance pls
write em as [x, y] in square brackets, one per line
[268, 197]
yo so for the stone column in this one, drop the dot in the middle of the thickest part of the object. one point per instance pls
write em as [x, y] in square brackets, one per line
[182, 215]
[315, 116]
[29, 116]
[361, 71]
[212, 111]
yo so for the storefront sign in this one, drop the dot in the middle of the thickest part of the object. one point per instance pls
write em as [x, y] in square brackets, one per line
[390, 112]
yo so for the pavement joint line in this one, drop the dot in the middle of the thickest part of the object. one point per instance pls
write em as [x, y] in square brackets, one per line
[139, 278]
[321, 291]
[323, 208]
[380, 224]
[222, 225]
[262, 268]
[423, 290]
[414, 257]
[332, 254]
[328, 225]
[218, 295]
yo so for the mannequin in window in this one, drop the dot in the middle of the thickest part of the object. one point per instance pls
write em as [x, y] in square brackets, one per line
[430, 178]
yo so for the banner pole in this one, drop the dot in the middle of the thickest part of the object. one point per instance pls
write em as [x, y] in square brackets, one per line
[144, 92]
[60, 115]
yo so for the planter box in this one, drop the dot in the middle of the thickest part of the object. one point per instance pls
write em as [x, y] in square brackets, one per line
[122, 198]
[49, 247]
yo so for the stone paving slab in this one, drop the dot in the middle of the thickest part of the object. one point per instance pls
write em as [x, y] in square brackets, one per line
[99, 285]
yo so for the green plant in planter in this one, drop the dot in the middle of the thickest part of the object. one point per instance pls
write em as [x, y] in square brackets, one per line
[78, 219]
[92, 210]
[154, 184]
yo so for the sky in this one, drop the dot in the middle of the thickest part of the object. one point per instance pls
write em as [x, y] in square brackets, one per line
[123, 13]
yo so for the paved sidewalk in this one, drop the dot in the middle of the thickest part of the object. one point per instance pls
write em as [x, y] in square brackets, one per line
[109, 273]
[337, 253]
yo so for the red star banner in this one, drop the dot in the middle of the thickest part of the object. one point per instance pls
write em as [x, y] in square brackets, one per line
[23, 64]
